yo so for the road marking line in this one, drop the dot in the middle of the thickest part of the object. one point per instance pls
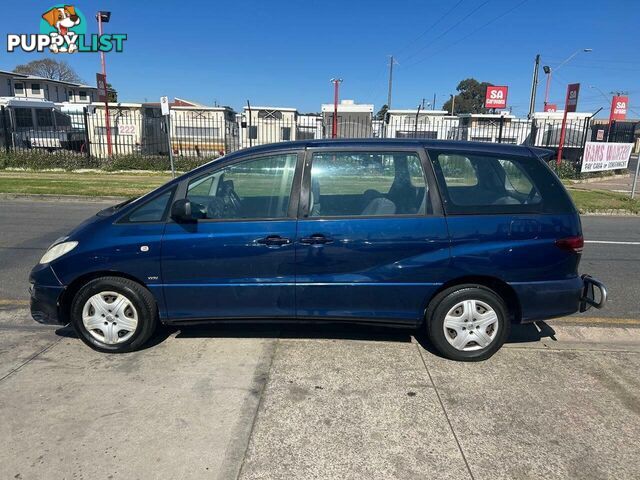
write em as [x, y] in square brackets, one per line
[14, 302]
[611, 242]
[596, 320]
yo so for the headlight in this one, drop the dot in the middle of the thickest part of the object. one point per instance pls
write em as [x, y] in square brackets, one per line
[57, 251]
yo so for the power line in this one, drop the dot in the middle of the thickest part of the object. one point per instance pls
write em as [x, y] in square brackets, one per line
[470, 34]
[448, 29]
[442, 17]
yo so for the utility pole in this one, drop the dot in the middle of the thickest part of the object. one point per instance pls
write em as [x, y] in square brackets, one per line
[104, 17]
[453, 103]
[391, 62]
[433, 105]
[336, 91]
[534, 87]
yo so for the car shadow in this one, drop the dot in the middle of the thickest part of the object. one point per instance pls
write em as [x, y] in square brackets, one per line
[531, 332]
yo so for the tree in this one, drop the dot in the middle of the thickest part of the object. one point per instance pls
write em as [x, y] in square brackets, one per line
[112, 94]
[382, 113]
[49, 68]
[470, 98]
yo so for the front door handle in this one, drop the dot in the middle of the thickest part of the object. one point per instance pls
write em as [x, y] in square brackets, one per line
[316, 239]
[274, 240]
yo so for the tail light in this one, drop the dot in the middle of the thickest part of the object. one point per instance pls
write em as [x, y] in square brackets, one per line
[573, 244]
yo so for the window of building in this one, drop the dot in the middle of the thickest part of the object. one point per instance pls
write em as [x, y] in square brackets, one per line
[35, 88]
[367, 184]
[19, 88]
[103, 131]
[24, 117]
[306, 133]
[257, 188]
[253, 132]
[192, 131]
[44, 117]
[285, 133]
[83, 95]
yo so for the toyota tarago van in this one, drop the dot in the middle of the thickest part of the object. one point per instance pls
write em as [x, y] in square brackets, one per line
[459, 240]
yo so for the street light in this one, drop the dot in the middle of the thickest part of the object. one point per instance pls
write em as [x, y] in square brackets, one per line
[548, 71]
[104, 17]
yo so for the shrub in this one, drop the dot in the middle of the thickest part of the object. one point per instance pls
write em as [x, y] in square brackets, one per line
[63, 159]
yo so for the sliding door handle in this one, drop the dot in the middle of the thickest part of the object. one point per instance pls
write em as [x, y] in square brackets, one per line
[316, 239]
[276, 240]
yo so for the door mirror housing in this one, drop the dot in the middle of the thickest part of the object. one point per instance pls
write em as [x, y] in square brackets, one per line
[181, 211]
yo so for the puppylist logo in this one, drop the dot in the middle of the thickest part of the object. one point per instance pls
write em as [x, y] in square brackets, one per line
[63, 29]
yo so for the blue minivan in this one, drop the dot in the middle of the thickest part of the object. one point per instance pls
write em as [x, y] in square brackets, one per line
[459, 240]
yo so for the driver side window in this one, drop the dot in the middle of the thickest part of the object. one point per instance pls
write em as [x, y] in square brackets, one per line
[259, 188]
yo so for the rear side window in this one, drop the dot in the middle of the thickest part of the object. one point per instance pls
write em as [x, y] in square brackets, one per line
[485, 184]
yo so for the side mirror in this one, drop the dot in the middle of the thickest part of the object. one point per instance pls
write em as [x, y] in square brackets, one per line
[181, 211]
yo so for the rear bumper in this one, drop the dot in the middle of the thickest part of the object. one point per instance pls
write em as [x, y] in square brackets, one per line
[550, 299]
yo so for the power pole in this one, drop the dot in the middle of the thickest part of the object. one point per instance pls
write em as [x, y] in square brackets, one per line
[336, 90]
[534, 87]
[391, 62]
[453, 103]
[433, 105]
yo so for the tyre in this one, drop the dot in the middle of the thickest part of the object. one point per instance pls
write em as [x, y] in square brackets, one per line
[467, 323]
[114, 315]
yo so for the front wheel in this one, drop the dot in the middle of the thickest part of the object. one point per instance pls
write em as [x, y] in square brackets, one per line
[113, 314]
[467, 323]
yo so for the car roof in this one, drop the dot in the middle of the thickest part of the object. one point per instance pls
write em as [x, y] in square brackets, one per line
[503, 148]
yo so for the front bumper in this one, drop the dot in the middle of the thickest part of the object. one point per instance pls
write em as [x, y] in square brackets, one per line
[46, 291]
[589, 296]
[45, 303]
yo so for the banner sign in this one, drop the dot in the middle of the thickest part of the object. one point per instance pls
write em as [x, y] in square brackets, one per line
[496, 97]
[164, 105]
[600, 156]
[619, 107]
[101, 82]
[551, 107]
[572, 97]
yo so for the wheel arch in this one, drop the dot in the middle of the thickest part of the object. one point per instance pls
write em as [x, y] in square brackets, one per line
[69, 293]
[500, 287]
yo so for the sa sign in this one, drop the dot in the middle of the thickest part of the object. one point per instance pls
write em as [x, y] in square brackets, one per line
[619, 106]
[571, 104]
[496, 97]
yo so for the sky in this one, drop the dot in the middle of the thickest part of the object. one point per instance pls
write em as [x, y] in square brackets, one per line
[284, 53]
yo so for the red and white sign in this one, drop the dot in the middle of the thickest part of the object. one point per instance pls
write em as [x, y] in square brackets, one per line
[551, 107]
[619, 106]
[496, 97]
[600, 156]
[572, 97]
[101, 82]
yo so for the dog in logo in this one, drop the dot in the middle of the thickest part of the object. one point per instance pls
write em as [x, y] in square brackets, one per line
[62, 19]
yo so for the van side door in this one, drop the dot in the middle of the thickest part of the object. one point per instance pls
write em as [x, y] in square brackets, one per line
[372, 242]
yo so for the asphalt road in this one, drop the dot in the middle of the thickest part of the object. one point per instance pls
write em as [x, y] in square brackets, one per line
[27, 227]
[559, 401]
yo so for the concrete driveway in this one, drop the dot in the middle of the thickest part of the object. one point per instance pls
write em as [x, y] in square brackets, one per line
[254, 402]
[318, 402]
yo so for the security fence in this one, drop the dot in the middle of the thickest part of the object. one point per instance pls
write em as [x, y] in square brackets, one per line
[135, 130]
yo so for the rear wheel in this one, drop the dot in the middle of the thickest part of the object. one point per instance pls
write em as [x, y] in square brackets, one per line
[467, 323]
[113, 314]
